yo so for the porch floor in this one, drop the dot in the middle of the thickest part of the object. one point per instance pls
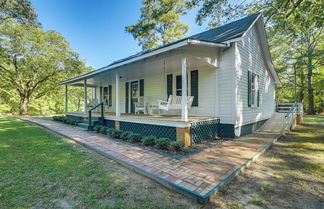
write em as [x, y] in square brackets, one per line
[167, 120]
[199, 175]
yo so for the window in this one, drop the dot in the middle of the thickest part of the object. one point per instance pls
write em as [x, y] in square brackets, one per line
[253, 89]
[194, 86]
[178, 85]
[107, 95]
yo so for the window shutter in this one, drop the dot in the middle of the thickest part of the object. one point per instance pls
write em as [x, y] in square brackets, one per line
[100, 96]
[194, 87]
[126, 98]
[258, 96]
[249, 89]
[110, 95]
[169, 84]
[141, 87]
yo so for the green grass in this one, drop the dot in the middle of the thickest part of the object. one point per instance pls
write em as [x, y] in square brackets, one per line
[258, 203]
[41, 170]
[313, 118]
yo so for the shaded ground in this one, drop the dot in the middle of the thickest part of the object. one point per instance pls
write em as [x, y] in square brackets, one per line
[289, 175]
[40, 170]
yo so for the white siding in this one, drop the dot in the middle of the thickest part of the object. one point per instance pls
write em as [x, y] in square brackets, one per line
[226, 86]
[249, 58]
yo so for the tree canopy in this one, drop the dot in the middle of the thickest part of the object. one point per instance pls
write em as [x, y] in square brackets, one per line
[20, 10]
[159, 23]
[32, 62]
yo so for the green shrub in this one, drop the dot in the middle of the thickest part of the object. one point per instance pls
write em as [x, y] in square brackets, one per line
[110, 131]
[162, 143]
[176, 145]
[125, 135]
[149, 140]
[116, 133]
[97, 128]
[135, 138]
[103, 130]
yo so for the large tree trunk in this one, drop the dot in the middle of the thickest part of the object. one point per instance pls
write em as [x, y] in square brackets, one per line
[23, 107]
[311, 108]
[302, 86]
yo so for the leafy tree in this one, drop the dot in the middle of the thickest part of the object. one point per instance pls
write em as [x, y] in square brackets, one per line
[159, 23]
[295, 33]
[32, 62]
[20, 10]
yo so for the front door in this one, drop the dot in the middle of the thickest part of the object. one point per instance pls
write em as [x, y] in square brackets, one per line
[134, 88]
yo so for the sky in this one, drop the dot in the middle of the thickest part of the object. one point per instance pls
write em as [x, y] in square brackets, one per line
[96, 29]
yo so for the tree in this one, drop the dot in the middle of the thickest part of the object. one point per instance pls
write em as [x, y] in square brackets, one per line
[32, 62]
[295, 24]
[159, 23]
[20, 10]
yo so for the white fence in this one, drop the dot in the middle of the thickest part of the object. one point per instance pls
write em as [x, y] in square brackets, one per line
[292, 110]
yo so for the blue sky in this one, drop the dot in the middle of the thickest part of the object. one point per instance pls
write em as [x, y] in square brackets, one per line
[96, 29]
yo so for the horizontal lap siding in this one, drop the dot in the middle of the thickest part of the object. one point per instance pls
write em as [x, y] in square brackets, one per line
[226, 86]
[249, 57]
[206, 93]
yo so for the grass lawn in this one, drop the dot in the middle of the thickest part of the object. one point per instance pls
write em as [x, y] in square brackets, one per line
[42, 170]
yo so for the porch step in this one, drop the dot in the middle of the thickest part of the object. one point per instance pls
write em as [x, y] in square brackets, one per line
[82, 129]
[85, 125]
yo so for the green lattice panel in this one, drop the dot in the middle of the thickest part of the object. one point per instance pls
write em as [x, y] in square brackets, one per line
[204, 131]
[150, 130]
[109, 123]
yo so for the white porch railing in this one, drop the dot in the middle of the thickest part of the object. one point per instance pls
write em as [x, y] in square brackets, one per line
[292, 110]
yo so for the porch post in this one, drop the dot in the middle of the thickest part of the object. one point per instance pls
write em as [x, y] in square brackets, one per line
[66, 98]
[184, 103]
[85, 96]
[117, 95]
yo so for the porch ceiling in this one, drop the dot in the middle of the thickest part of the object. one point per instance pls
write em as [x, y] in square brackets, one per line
[170, 63]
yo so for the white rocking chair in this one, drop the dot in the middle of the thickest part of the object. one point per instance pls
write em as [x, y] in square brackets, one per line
[140, 105]
[174, 103]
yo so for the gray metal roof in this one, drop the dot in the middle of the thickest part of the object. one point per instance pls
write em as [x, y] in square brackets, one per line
[227, 32]
[216, 35]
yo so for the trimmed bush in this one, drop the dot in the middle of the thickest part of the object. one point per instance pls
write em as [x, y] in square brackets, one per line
[149, 140]
[125, 135]
[116, 133]
[135, 138]
[176, 146]
[103, 130]
[110, 131]
[162, 143]
[97, 128]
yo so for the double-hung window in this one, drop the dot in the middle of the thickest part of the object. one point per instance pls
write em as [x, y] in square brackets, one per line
[253, 90]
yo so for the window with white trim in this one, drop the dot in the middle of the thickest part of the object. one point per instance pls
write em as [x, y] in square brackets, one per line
[253, 97]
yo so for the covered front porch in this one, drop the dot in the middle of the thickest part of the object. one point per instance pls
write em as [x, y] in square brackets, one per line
[128, 95]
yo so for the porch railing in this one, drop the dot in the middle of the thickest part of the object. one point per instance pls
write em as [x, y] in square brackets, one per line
[101, 113]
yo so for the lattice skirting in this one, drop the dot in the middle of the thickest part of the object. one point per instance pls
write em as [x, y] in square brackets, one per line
[149, 130]
[109, 123]
[204, 131]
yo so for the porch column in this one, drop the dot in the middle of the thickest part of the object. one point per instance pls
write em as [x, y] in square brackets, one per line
[85, 96]
[117, 95]
[184, 104]
[66, 98]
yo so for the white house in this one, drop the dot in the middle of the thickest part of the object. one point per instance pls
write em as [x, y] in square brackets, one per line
[227, 71]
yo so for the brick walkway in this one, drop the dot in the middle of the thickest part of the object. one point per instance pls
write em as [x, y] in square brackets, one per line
[199, 175]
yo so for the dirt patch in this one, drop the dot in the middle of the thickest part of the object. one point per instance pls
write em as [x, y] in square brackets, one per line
[289, 175]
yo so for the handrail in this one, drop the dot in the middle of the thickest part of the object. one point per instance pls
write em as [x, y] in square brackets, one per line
[101, 111]
[291, 110]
